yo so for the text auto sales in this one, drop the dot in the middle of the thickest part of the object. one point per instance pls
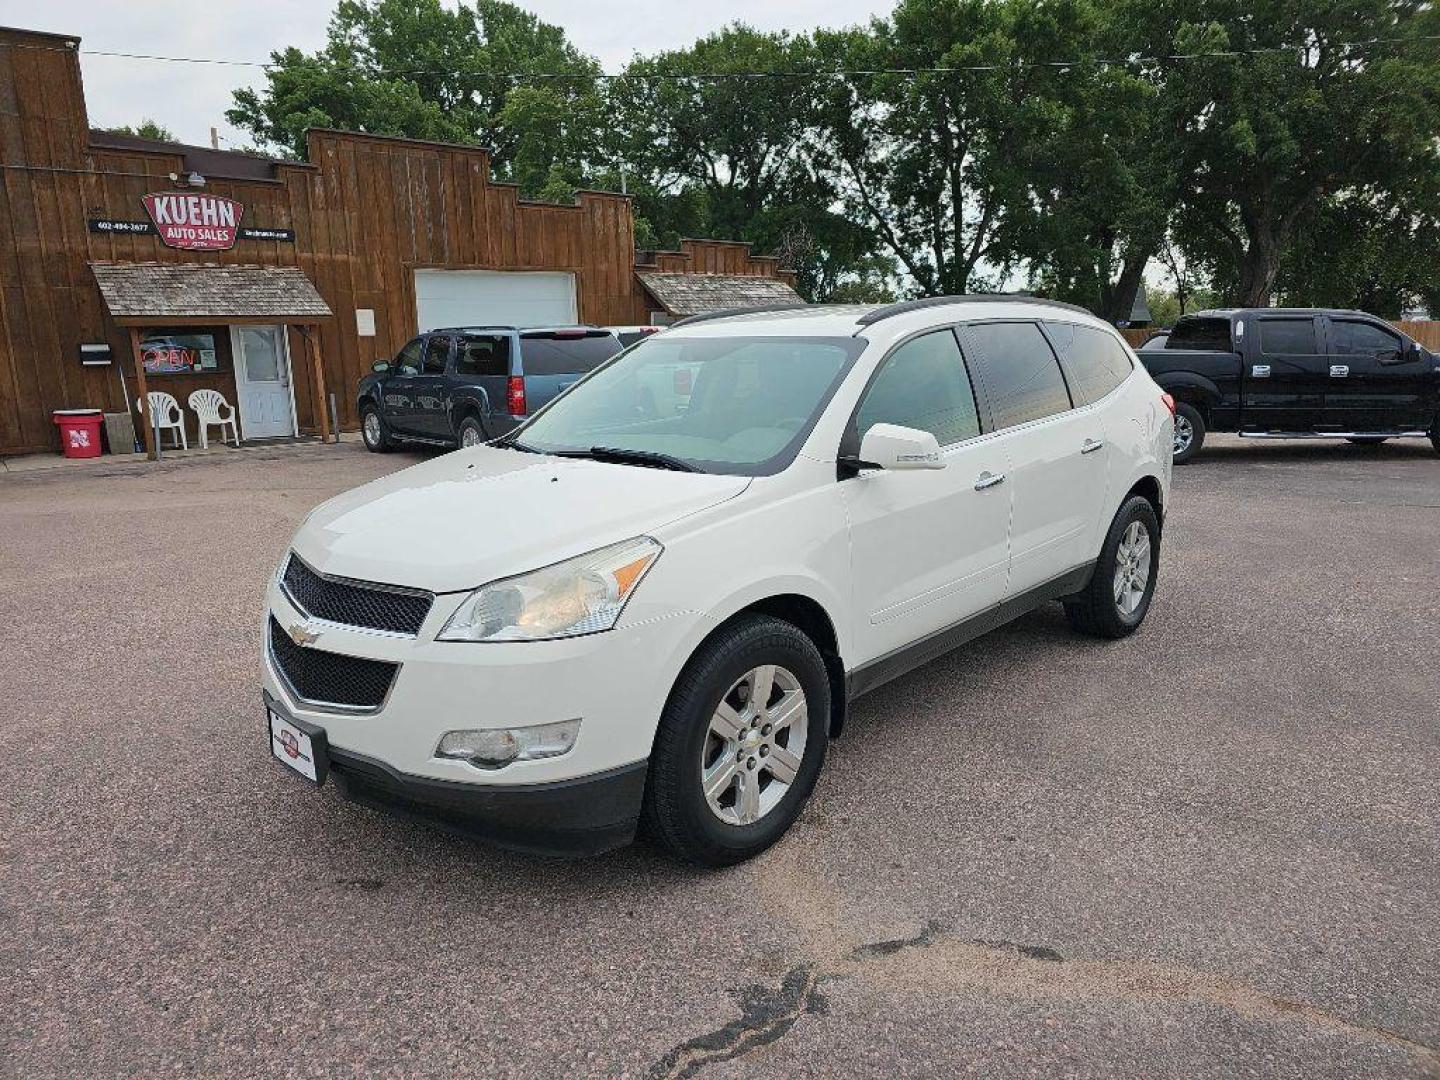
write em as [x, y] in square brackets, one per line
[191, 222]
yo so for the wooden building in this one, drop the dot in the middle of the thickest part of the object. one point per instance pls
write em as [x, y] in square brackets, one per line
[395, 235]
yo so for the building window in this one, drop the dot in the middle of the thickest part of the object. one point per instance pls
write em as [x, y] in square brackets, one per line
[165, 353]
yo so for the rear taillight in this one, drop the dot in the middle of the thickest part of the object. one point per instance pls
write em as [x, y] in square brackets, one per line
[515, 395]
[1168, 402]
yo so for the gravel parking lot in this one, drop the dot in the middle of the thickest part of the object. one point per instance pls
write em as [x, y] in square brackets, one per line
[1210, 850]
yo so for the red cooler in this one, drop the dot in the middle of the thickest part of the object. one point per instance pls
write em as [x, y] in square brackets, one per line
[79, 431]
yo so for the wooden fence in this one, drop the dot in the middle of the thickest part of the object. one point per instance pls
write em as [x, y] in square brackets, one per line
[1426, 332]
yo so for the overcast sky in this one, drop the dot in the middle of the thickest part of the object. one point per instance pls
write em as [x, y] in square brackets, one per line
[190, 98]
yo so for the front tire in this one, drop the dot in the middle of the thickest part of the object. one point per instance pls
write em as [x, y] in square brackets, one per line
[1189, 431]
[375, 431]
[1115, 602]
[740, 744]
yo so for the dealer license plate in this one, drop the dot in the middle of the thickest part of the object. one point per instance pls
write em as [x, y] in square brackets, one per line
[295, 748]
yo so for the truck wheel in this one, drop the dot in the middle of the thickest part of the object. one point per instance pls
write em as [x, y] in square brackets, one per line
[740, 744]
[375, 431]
[1435, 436]
[1189, 432]
[472, 433]
[1114, 604]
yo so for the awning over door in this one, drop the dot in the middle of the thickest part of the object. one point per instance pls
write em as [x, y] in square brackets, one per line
[195, 293]
[696, 294]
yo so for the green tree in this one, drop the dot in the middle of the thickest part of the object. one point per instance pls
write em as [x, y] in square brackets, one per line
[417, 69]
[935, 162]
[720, 153]
[148, 129]
[1300, 116]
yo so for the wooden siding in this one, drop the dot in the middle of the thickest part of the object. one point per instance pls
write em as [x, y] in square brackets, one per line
[367, 212]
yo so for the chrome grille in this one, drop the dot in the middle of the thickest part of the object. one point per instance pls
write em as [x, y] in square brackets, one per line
[355, 603]
[330, 679]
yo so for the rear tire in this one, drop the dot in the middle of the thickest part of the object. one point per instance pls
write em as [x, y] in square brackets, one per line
[712, 734]
[1435, 436]
[1189, 431]
[471, 433]
[1115, 602]
[375, 431]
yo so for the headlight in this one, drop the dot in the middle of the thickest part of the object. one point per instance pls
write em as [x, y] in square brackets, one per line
[582, 595]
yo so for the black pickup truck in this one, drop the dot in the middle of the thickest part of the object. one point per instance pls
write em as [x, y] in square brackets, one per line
[1295, 373]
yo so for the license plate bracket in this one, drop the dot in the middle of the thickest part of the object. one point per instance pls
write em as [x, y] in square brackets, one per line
[299, 745]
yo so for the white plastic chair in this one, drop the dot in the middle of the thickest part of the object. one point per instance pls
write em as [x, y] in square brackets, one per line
[212, 410]
[165, 414]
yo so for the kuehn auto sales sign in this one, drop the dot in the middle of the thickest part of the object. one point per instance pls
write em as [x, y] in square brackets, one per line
[194, 221]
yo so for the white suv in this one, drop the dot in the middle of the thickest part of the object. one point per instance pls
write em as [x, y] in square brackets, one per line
[651, 603]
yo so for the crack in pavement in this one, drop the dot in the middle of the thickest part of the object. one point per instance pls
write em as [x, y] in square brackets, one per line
[935, 960]
[766, 1015]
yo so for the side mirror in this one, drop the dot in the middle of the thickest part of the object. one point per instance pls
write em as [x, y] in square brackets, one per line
[896, 449]
[380, 366]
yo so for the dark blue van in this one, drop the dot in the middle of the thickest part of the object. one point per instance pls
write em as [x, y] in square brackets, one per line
[462, 386]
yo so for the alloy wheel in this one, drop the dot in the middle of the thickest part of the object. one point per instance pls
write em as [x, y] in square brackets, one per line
[1184, 433]
[372, 429]
[1132, 568]
[754, 745]
[470, 436]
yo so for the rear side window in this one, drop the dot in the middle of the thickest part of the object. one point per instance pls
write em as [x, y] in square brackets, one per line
[1206, 334]
[1279, 336]
[923, 384]
[483, 355]
[1361, 338]
[1021, 375]
[562, 354]
[437, 355]
[1093, 360]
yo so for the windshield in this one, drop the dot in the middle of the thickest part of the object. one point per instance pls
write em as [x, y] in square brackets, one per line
[724, 405]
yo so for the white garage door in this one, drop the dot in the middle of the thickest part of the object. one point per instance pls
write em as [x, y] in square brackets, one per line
[493, 298]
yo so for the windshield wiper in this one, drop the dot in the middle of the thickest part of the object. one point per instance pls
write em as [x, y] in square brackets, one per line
[616, 455]
[509, 443]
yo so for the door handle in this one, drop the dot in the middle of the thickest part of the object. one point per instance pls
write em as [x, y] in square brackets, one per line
[1260, 371]
[1091, 445]
[988, 480]
[1339, 371]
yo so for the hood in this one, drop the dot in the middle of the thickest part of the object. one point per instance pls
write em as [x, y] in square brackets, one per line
[476, 515]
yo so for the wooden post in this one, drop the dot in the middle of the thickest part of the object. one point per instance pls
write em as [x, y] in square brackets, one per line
[312, 342]
[144, 393]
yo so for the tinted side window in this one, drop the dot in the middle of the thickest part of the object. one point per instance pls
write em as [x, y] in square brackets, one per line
[548, 354]
[487, 355]
[923, 384]
[1361, 338]
[1093, 360]
[1203, 334]
[408, 360]
[1278, 336]
[1020, 373]
[437, 355]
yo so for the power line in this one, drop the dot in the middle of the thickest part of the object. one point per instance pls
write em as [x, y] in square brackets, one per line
[821, 73]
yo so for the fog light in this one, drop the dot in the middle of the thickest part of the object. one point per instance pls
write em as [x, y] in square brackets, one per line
[498, 747]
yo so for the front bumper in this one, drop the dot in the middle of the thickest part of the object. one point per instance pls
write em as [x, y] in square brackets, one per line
[583, 816]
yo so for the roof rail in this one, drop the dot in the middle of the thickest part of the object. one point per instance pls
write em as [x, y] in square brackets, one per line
[904, 307]
[726, 313]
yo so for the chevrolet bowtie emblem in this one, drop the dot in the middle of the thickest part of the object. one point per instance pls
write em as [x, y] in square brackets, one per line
[302, 634]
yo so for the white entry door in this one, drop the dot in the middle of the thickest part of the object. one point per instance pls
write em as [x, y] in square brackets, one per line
[262, 381]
